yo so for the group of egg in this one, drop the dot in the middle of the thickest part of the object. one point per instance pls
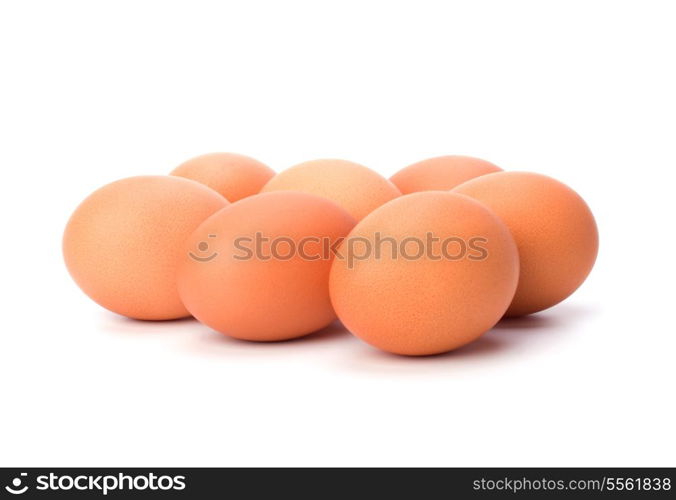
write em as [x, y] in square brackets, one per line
[167, 247]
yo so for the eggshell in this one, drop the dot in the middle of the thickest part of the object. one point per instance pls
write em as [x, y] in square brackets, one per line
[357, 189]
[122, 244]
[441, 173]
[243, 289]
[425, 302]
[554, 230]
[234, 176]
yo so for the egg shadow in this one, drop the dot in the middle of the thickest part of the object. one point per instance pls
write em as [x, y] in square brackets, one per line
[533, 322]
[211, 343]
[374, 361]
[510, 334]
[113, 323]
[549, 320]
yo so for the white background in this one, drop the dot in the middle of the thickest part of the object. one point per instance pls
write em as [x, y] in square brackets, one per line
[95, 91]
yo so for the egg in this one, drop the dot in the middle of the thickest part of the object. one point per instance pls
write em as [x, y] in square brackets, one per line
[424, 274]
[122, 244]
[356, 188]
[234, 176]
[554, 230]
[441, 173]
[259, 269]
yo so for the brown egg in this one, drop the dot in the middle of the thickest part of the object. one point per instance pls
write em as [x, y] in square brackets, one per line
[424, 274]
[553, 228]
[234, 176]
[259, 270]
[357, 189]
[122, 244]
[442, 173]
